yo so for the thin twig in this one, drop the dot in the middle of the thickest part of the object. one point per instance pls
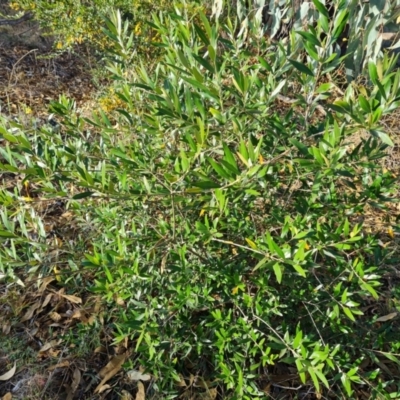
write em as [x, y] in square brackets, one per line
[13, 68]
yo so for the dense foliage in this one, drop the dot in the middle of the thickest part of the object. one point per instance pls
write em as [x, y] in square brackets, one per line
[229, 229]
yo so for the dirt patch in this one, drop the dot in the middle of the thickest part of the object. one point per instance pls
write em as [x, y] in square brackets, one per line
[32, 73]
[31, 78]
[26, 34]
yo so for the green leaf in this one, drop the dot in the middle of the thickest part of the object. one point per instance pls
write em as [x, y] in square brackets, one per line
[310, 38]
[300, 369]
[339, 25]
[300, 254]
[391, 357]
[82, 195]
[348, 312]
[265, 64]
[311, 50]
[251, 243]
[364, 104]
[300, 270]
[324, 22]
[204, 90]
[230, 158]
[382, 135]
[219, 169]
[11, 138]
[202, 35]
[243, 150]
[184, 161]
[278, 88]
[206, 25]
[301, 67]
[370, 289]
[146, 185]
[261, 263]
[298, 339]
[317, 155]
[252, 192]
[212, 53]
[204, 63]
[322, 378]
[183, 59]
[278, 272]
[197, 75]
[346, 384]
[273, 247]
[377, 114]
[206, 185]
[314, 378]
[321, 8]
[6, 234]
[373, 73]
[302, 147]
[108, 274]
[325, 87]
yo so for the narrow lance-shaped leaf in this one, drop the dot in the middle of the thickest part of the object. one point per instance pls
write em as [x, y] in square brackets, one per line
[218, 169]
[321, 8]
[230, 158]
[278, 272]
[301, 67]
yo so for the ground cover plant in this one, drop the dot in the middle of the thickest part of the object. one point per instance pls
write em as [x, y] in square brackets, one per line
[224, 235]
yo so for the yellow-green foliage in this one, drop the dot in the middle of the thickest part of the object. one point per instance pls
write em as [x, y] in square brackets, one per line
[76, 22]
[110, 101]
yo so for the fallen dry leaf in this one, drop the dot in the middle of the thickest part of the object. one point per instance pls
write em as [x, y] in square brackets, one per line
[135, 375]
[387, 317]
[6, 329]
[54, 353]
[76, 380]
[110, 370]
[125, 395]
[63, 364]
[200, 382]
[97, 305]
[90, 320]
[163, 263]
[47, 300]
[100, 349]
[72, 298]
[182, 382]
[120, 301]
[55, 316]
[140, 395]
[211, 394]
[76, 314]
[29, 313]
[7, 396]
[68, 392]
[49, 345]
[114, 363]
[67, 215]
[45, 282]
[104, 388]
[8, 375]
